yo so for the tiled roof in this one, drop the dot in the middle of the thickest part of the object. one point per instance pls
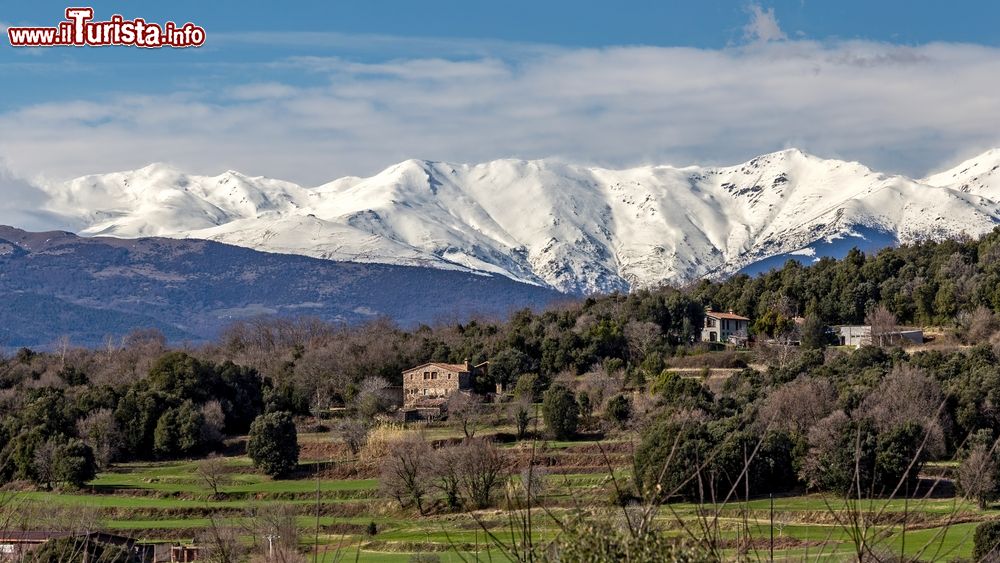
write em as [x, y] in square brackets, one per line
[730, 316]
[449, 367]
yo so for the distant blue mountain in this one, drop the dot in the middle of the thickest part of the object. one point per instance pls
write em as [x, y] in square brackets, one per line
[57, 284]
[865, 239]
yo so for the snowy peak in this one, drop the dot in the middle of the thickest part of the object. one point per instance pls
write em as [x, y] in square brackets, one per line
[979, 176]
[575, 228]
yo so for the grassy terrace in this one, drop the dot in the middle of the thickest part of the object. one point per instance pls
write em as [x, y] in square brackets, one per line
[169, 502]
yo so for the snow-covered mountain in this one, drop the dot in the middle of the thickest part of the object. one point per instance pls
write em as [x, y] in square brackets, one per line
[574, 228]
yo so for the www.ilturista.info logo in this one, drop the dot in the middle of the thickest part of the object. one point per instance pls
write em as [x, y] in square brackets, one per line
[79, 30]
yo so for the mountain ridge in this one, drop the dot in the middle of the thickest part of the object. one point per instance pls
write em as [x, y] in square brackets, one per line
[58, 284]
[577, 229]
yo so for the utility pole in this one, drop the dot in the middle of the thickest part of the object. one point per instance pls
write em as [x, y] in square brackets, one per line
[771, 495]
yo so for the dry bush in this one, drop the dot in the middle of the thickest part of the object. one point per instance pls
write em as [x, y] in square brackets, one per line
[380, 439]
[354, 434]
[979, 325]
[908, 394]
[797, 406]
[406, 472]
[728, 359]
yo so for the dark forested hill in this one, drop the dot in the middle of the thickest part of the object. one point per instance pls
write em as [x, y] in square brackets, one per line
[56, 284]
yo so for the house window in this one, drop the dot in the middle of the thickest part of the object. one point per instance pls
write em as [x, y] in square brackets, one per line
[434, 375]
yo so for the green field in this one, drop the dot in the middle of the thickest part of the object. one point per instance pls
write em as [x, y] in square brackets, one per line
[169, 502]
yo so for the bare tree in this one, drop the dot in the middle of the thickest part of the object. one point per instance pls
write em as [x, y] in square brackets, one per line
[447, 466]
[354, 434]
[533, 482]
[824, 438]
[212, 431]
[798, 405]
[979, 325]
[213, 473]
[220, 543]
[465, 409]
[405, 474]
[884, 325]
[100, 431]
[907, 394]
[276, 534]
[484, 472]
[977, 476]
[641, 336]
[46, 458]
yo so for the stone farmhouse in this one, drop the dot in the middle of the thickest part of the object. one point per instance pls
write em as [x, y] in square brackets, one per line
[437, 381]
[725, 327]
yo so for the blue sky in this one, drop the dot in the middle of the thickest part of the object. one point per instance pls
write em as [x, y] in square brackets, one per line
[315, 90]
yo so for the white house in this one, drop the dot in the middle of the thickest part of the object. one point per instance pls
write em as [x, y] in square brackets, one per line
[861, 335]
[724, 327]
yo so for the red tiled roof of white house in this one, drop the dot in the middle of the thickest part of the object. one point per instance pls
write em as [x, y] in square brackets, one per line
[730, 315]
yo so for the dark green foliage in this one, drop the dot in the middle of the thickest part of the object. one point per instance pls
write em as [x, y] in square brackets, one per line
[618, 410]
[715, 460]
[670, 457]
[241, 395]
[812, 333]
[75, 463]
[560, 412]
[923, 283]
[678, 391]
[179, 431]
[899, 459]
[986, 540]
[180, 375]
[854, 460]
[72, 376]
[530, 387]
[507, 365]
[273, 444]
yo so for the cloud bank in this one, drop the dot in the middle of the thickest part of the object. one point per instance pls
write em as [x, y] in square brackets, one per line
[901, 108]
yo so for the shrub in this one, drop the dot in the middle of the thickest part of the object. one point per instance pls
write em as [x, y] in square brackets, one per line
[273, 444]
[986, 540]
[618, 410]
[560, 412]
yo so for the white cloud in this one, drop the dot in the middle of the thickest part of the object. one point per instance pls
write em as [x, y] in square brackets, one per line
[904, 109]
[763, 25]
[21, 202]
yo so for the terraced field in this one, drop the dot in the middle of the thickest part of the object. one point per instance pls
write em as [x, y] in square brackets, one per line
[169, 502]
